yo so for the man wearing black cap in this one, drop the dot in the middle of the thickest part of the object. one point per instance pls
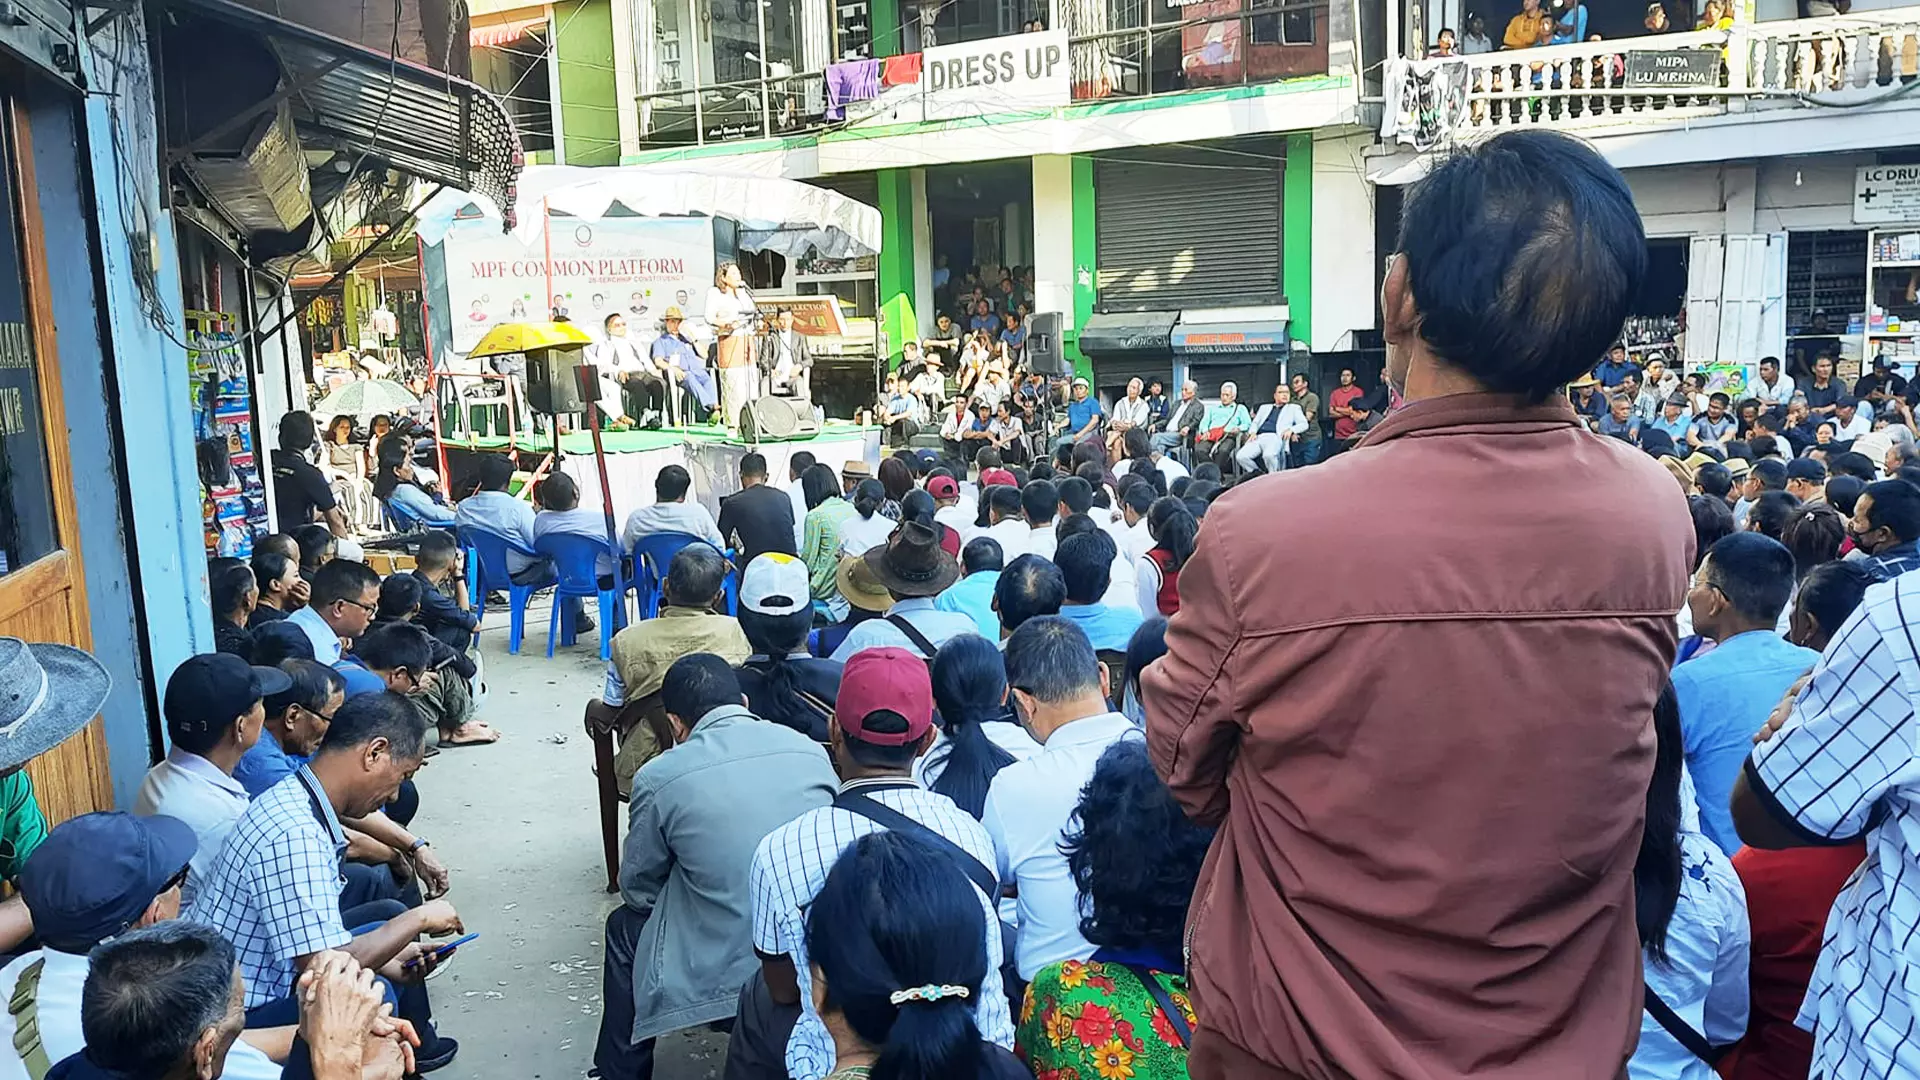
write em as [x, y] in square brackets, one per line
[882, 723]
[1807, 481]
[915, 571]
[96, 877]
[214, 712]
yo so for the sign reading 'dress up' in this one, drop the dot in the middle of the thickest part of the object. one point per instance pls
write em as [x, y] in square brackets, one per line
[996, 75]
[1673, 68]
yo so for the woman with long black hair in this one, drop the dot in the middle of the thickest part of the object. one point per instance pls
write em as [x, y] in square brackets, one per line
[869, 527]
[782, 681]
[395, 484]
[1691, 911]
[978, 736]
[896, 937]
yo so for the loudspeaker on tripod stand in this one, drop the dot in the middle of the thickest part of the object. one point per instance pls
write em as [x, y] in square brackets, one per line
[1046, 351]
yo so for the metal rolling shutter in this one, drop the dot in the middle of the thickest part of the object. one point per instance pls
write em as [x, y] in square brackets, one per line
[1170, 234]
[861, 187]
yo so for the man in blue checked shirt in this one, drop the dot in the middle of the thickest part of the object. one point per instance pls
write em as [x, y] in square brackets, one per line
[275, 891]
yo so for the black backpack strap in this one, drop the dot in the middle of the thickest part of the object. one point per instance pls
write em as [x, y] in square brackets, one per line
[894, 821]
[920, 641]
[1175, 1017]
[1682, 1032]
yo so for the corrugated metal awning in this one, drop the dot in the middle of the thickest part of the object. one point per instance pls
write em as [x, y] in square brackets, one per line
[423, 122]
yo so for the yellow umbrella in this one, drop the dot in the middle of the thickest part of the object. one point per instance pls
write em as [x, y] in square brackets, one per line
[527, 337]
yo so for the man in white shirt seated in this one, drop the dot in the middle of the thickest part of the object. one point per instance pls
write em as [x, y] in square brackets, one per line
[94, 878]
[214, 709]
[1059, 691]
[951, 510]
[914, 570]
[1129, 412]
[1274, 430]
[673, 513]
[1040, 503]
[1006, 520]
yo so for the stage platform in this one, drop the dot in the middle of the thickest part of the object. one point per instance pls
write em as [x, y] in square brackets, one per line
[710, 453]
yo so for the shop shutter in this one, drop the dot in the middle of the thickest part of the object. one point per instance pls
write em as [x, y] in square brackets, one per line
[1706, 257]
[860, 187]
[1110, 373]
[1753, 301]
[1199, 231]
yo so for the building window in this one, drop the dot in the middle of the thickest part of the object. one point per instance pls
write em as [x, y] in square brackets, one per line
[27, 527]
[1287, 27]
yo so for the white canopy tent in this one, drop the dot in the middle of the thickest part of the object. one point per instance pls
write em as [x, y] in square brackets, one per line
[774, 214]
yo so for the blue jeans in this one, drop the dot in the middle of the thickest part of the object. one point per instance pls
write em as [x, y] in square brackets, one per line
[409, 1000]
[1164, 441]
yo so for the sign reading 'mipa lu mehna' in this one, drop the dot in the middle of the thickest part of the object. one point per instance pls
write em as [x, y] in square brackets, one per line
[1672, 68]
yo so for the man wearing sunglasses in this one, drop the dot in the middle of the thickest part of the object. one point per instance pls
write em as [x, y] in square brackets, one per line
[344, 598]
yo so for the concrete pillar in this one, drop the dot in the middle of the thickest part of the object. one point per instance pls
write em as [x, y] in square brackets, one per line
[1342, 252]
[1053, 235]
[896, 277]
[626, 79]
[922, 245]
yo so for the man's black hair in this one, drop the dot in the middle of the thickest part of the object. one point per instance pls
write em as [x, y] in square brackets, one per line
[981, 553]
[1086, 564]
[873, 756]
[279, 641]
[753, 464]
[385, 715]
[393, 646]
[1754, 572]
[1842, 493]
[1003, 500]
[296, 432]
[1077, 493]
[1896, 505]
[1720, 399]
[342, 579]
[1908, 473]
[697, 684]
[1038, 501]
[314, 540]
[495, 472]
[671, 483]
[1139, 497]
[558, 492]
[1713, 478]
[400, 596]
[1853, 463]
[694, 576]
[437, 549]
[1523, 254]
[799, 462]
[1029, 587]
[1772, 474]
[1765, 448]
[1050, 658]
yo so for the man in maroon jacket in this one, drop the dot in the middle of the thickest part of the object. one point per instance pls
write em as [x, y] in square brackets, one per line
[1428, 755]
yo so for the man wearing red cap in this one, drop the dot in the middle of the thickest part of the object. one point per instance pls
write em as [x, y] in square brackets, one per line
[882, 723]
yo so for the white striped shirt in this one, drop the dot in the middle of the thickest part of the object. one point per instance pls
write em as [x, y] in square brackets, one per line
[790, 868]
[1847, 763]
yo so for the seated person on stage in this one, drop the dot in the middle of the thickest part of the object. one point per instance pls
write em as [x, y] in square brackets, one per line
[94, 879]
[687, 623]
[1218, 435]
[296, 721]
[678, 358]
[789, 363]
[673, 512]
[275, 888]
[214, 709]
[680, 946]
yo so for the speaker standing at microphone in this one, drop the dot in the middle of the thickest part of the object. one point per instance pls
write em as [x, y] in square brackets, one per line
[730, 311]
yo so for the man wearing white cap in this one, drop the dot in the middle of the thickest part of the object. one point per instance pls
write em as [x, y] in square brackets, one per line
[1083, 415]
[783, 682]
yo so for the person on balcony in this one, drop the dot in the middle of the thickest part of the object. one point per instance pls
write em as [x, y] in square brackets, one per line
[1523, 30]
[1443, 45]
[1475, 41]
[1656, 19]
[1573, 24]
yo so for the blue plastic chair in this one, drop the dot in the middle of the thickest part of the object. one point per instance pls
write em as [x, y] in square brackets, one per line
[487, 572]
[652, 554]
[574, 560]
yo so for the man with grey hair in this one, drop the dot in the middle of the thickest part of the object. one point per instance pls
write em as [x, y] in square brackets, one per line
[1225, 425]
[159, 1003]
[1059, 690]
[1182, 421]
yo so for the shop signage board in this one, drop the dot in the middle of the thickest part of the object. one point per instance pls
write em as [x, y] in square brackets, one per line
[996, 75]
[1235, 338]
[1669, 68]
[637, 267]
[1886, 193]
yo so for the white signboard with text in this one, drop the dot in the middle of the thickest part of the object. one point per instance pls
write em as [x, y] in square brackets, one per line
[637, 267]
[996, 75]
[1886, 194]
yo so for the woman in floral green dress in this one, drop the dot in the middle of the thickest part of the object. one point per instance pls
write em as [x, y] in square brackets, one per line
[1123, 1014]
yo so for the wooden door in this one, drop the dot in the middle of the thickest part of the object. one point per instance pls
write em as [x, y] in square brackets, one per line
[42, 590]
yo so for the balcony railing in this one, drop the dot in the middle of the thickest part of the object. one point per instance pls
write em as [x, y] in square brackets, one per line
[1261, 41]
[1837, 60]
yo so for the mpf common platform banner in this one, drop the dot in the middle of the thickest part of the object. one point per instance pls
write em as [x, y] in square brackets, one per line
[637, 267]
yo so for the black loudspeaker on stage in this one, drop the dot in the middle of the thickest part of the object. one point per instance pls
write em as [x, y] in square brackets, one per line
[552, 385]
[778, 418]
[1046, 352]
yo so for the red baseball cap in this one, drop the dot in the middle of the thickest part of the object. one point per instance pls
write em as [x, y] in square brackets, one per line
[943, 487]
[996, 476]
[884, 679]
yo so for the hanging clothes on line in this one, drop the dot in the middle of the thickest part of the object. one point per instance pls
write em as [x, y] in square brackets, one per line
[849, 81]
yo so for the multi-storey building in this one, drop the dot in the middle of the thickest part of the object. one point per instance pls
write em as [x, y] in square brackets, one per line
[1185, 178]
[1775, 161]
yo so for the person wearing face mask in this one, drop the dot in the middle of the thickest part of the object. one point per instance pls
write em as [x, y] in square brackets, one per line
[1886, 528]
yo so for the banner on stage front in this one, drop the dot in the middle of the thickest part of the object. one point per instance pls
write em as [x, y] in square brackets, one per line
[637, 267]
